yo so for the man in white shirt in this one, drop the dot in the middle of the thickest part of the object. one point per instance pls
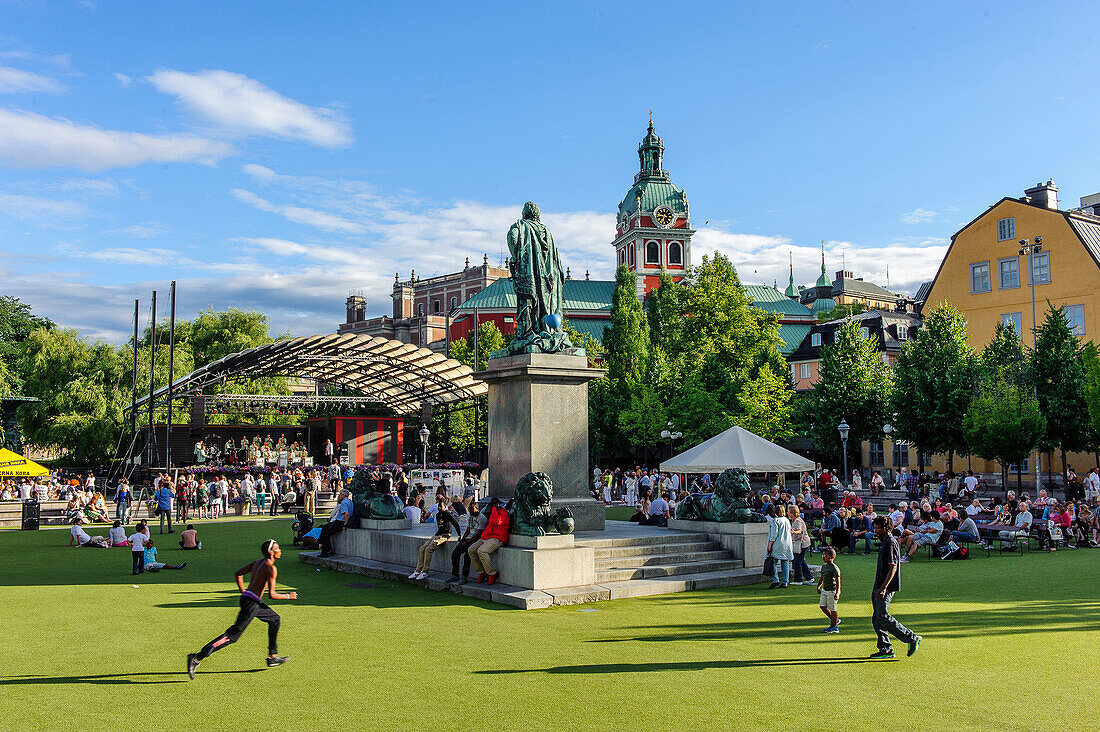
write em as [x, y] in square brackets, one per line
[24, 491]
[80, 538]
[970, 482]
[329, 451]
[1092, 485]
[974, 508]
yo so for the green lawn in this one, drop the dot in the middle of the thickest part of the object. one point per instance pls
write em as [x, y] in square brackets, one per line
[1009, 644]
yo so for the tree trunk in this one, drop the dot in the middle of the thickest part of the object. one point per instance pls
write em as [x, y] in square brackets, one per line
[1004, 476]
[951, 461]
[1019, 480]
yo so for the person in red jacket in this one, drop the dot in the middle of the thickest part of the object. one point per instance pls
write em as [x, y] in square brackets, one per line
[492, 538]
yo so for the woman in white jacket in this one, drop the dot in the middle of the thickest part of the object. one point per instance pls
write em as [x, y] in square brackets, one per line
[780, 548]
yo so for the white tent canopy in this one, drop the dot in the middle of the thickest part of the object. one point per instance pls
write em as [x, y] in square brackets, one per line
[737, 448]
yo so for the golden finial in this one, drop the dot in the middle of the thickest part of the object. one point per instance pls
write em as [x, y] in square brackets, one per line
[651, 118]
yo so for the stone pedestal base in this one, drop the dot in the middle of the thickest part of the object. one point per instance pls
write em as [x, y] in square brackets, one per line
[530, 562]
[748, 542]
[538, 423]
[378, 525]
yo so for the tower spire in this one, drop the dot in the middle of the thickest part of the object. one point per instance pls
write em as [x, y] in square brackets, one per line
[823, 280]
[791, 291]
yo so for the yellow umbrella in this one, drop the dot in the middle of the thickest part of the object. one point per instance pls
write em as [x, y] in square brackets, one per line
[13, 465]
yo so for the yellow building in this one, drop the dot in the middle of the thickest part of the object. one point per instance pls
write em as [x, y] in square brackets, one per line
[984, 275]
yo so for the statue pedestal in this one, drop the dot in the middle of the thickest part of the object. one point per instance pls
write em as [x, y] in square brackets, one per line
[390, 525]
[538, 423]
[748, 542]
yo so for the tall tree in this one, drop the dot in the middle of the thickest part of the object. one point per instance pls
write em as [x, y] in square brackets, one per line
[17, 322]
[82, 387]
[853, 385]
[1090, 361]
[1003, 422]
[934, 380]
[1060, 384]
[627, 339]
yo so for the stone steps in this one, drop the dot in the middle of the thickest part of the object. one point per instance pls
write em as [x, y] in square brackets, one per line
[662, 539]
[616, 574]
[624, 562]
[647, 549]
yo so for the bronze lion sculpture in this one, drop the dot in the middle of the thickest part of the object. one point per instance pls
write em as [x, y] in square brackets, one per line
[728, 503]
[372, 499]
[530, 511]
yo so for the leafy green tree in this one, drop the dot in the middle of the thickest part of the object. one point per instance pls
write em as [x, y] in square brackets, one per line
[844, 310]
[1060, 384]
[663, 309]
[1090, 361]
[17, 322]
[853, 385]
[82, 387]
[934, 380]
[1003, 422]
[627, 339]
[1004, 356]
[458, 429]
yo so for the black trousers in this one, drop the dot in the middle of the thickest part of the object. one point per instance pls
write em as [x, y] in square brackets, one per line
[461, 551]
[139, 564]
[250, 608]
[327, 532]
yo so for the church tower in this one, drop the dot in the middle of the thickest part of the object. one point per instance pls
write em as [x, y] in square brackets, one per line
[652, 232]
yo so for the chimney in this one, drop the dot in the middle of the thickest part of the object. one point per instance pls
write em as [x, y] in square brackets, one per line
[841, 274]
[1043, 195]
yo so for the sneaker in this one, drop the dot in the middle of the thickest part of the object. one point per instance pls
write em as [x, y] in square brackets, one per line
[413, 575]
[782, 587]
[273, 661]
[810, 582]
[839, 621]
[480, 578]
[832, 629]
[492, 579]
[913, 646]
[183, 565]
[192, 664]
[454, 578]
[878, 655]
[421, 576]
[904, 559]
[773, 585]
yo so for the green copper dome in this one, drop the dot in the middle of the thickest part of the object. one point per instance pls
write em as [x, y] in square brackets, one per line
[652, 187]
[824, 305]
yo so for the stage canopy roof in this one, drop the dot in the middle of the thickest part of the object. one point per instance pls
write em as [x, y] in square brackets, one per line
[737, 448]
[398, 375]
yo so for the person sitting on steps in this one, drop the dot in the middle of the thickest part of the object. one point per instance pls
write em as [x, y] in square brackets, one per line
[493, 537]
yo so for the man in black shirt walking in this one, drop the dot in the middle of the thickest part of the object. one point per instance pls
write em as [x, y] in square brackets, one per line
[887, 582]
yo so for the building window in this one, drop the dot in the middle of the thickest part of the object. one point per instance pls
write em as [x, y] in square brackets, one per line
[1040, 268]
[865, 333]
[901, 454]
[1009, 271]
[903, 332]
[979, 277]
[815, 339]
[794, 372]
[804, 370]
[652, 253]
[509, 319]
[1023, 467]
[630, 255]
[1015, 321]
[876, 454]
[454, 304]
[420, 309]
[1075, 318]
[1006, 229]
[435, 306]
[675, 253]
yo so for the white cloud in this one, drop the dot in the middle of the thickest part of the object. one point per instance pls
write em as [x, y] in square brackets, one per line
[144, 231]
[919, 216]
[124, 80]
[32, 140]
[129, 255]
[16, 80]
[300, 215]
[260, 173]
[243, 104]
[31, 207]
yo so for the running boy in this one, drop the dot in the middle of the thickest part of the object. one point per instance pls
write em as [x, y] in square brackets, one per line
[263, 577]
[829, 588]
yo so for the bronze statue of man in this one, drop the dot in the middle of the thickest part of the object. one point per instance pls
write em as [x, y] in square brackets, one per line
[537, 279]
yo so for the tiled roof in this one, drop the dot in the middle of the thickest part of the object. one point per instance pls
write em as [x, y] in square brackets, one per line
[922, 291]
[771, 300]
[1089, 231]
[592, 327]
[578, 295]
[852, 286]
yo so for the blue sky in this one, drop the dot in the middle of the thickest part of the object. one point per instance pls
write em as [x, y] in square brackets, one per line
[277, 155]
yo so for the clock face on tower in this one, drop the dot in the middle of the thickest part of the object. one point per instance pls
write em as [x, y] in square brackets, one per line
[664, 217]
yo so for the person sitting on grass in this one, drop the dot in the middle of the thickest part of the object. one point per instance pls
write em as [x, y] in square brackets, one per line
[149, 559]
[79, 538]
[928, 534]
[189, 538]
[310, 539]
[117, 535]
[829, 588]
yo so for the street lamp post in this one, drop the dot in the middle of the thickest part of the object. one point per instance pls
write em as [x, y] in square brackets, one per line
[670, 435]
[843, 429]
[424, 446]
[1030, 248]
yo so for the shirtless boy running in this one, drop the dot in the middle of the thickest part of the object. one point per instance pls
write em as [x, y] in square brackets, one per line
[263, 577]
